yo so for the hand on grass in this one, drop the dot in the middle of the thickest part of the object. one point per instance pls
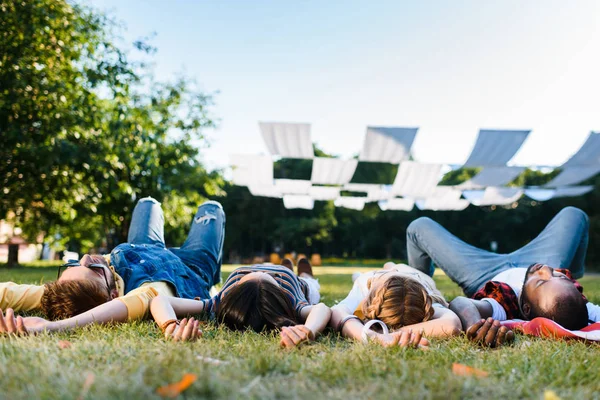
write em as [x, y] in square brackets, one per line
[490, 333]
[292, 336]
[186, 331]
[11, 324]
[402, 339]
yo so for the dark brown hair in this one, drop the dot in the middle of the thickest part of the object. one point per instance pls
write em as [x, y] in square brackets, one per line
[569, 310]
[259, 305]
[65, 299]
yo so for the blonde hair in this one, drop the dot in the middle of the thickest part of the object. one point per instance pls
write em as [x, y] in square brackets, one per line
[399, 301]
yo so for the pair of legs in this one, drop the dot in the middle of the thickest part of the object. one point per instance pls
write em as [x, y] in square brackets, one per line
[203, 247]
[562, 244]
[310, 285]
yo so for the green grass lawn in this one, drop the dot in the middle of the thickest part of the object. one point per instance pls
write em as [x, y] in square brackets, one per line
[131, 360]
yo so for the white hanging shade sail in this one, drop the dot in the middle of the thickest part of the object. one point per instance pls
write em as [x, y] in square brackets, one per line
[416, 180]
[264, 191]
[547, 194]
[387, 144]
[332, 171]
[588, 153]
[291, 201]
[397, 204]
[353, 203]
[493, 196]
[250, 169]
[361, 187]
[292, 186]
[324, 193]
[573, 175]
[443, 198]
[492, 176]
[287, 140]
[495, 147]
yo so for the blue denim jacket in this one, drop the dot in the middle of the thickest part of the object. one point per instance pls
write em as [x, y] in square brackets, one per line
[141, 263]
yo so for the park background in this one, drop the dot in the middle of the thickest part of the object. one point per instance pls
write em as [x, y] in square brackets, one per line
[91, 120]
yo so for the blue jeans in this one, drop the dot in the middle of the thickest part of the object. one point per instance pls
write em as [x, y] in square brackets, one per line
[562, 244]
[203, 248]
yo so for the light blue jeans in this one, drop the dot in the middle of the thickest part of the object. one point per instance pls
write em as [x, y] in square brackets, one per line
[562, 244]
[203, 247]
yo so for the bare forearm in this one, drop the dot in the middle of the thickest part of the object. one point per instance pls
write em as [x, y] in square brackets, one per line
[165, 308]
[113, 311]
[466, 310]
[318, 318]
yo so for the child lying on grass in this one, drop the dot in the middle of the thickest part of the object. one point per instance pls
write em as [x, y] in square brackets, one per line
[402, 299]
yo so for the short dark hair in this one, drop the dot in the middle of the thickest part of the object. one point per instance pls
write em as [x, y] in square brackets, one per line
[65, 299]
[259, 305]
[569, 310]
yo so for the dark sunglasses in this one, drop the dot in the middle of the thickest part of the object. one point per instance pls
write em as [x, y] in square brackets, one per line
[75, 263]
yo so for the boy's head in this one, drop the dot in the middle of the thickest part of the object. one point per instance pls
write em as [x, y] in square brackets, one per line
[550, 294]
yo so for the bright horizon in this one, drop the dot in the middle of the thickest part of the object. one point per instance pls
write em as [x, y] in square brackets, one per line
[447, 68]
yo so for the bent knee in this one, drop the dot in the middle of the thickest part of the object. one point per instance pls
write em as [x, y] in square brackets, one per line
[575, 213]
[419, 224]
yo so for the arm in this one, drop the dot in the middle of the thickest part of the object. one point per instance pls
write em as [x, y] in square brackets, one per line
[316, 318]
[353, 329]
[444, 323]
[166, 309]
[477, 320]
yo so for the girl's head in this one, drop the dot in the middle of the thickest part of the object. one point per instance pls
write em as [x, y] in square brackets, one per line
[256, 301]
[398, 301]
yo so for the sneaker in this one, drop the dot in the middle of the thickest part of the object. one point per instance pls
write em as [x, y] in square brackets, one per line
[286, 262]
[304, 267]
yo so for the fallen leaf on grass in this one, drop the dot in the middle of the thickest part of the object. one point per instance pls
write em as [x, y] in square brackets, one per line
[174, 389]
[64, 344]
[212, 361]
[465, 370]
[87, 384]
[550, 395]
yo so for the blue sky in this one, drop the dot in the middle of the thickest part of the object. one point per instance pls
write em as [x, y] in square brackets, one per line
[448, 67]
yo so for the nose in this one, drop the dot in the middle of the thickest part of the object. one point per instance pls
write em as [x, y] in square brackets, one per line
[545, 272]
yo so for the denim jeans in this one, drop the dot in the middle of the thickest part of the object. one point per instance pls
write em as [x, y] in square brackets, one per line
[202, 252]
[562, 244]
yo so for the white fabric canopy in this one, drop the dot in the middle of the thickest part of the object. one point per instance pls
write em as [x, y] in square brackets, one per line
[573, 175]
[387, 144]
[547, 194]
[493, 196]
[292, 186]
[588, 153]
[443, 198]
[397, 204]
[416, 180]
[250, 169]
[374, 191]
[298, 201]
[332, 171]
[287, 140]
[495, 147]
[492, 176]
[264, 191]
[324, 193]
[353, 203]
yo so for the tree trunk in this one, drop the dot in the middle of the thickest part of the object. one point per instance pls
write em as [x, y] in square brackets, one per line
[13, 256]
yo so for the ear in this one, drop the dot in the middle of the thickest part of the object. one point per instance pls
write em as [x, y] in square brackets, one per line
[526, 310]
[114, 294]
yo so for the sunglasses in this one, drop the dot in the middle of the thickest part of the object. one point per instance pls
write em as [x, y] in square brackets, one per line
[93, 267]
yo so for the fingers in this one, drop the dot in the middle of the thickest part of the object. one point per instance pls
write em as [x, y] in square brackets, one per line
[309, 334]
[472, 330]
[482, 332]
[2, 324]
[11, 323]
[286, 340]
[21, 326]
[188, 329]
[416, 338]
[501, 336]
[510, 336]
[490, 338]
[424, 344]
[405, 338]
